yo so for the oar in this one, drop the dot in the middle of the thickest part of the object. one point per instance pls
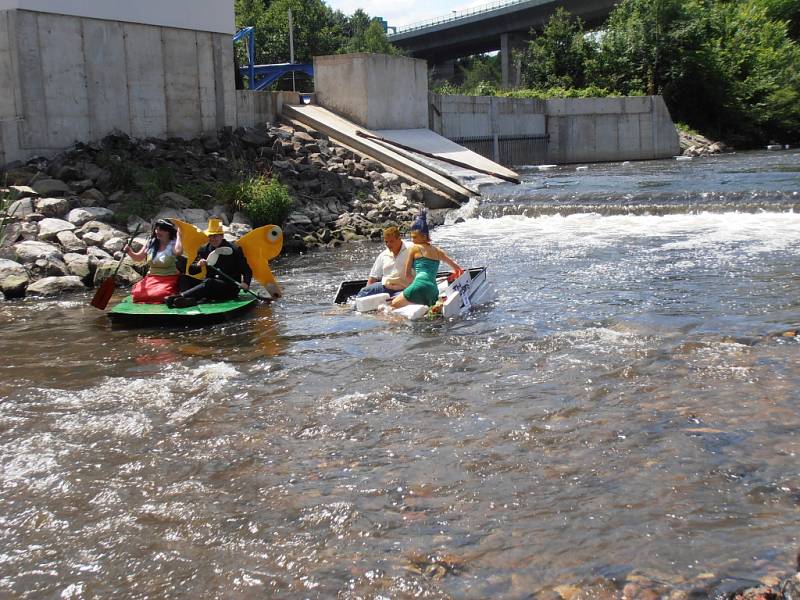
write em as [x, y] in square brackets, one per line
[239, 285]
[227, 251]
[106, 289]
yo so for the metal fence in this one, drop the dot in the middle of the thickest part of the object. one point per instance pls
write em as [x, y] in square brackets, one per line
[456, 15]
[508, 150]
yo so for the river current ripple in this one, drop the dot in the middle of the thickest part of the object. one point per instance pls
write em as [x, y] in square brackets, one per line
[621, 412]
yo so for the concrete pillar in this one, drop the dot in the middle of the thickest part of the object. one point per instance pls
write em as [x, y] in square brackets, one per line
[444, 71]
[509, 43]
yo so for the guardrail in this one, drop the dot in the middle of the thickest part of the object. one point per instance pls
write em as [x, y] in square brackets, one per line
[456, 15]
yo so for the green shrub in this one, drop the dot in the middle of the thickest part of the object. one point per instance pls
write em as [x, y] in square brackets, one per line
[203, 194]
[154, 182]
[264, 201]
[6, 199]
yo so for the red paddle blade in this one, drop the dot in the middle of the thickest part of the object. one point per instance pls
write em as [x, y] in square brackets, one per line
[103, 294]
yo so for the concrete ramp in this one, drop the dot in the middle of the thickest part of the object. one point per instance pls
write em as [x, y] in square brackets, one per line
[467, 166]
[453, 182]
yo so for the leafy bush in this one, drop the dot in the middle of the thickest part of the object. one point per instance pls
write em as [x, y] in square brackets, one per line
[264, 201]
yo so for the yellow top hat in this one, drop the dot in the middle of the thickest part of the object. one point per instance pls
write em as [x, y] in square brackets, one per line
[214, 227]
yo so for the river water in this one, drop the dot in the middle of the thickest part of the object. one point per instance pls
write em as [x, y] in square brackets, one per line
[622, 412]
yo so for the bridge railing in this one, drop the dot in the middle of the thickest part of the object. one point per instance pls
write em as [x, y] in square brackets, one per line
[456, 15]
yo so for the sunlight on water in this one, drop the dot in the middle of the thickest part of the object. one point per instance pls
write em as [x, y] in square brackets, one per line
[624, 411]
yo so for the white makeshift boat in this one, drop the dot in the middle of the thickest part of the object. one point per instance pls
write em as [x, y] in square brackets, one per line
[470, 289]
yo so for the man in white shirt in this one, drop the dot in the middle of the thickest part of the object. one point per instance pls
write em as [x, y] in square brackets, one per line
[388, 273]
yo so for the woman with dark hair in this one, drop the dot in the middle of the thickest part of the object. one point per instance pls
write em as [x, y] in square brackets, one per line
[161, 253]
[424, 259]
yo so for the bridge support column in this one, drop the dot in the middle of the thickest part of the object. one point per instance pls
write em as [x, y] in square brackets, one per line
[444, 71]
[510, 66]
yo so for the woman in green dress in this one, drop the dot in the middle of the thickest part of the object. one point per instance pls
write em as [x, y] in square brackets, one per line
[424, 259]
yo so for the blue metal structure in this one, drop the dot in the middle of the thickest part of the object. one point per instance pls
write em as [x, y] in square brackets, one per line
[260, 77]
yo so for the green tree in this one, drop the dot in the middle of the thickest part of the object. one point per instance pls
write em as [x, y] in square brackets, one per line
[761, 67]
[663, 47]
[785, 10]
[480, 71]
[649, 44]
[371, 39]
[558, 55]
[312, 20]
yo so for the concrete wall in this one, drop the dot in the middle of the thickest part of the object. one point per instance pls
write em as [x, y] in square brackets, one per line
[198, 15]
[77, 79]
[579, 129]
[473, 116]
[256, 108]
[608, 129]
[376, 91]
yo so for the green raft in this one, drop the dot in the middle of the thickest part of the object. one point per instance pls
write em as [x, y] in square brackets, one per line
[155, 315]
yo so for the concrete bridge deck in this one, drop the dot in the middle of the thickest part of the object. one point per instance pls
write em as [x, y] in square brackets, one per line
[480, 31]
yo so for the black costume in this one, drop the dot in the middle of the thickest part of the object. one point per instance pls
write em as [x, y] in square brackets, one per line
[215, 287]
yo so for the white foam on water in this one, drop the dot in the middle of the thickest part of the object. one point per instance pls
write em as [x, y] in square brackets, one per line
[746, 233]
[341, 403]
[117, 408]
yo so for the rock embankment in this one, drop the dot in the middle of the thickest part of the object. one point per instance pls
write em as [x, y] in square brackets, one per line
[70, 216]
[694, 144]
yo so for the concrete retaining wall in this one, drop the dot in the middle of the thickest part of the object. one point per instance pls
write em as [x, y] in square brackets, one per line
[78, 79]
[257, 108]
[198, 15]
[375, 91]
[478, 116]
[578, 129]
[610, 129]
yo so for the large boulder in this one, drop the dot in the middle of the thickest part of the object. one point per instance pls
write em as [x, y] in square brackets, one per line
[51, 187]
[53, 286]
[127, 274]
[81, 216]
[97, 233]
[31, 251]
[93, 197]
[70, 242]
[52, 207]
[98, 254]
[81, 265]
[196, 216]
[22, 208]
[50, 228]
[115, 244]
[14, 279]
[23, 191]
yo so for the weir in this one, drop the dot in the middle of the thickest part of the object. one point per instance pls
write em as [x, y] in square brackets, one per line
[77, 73]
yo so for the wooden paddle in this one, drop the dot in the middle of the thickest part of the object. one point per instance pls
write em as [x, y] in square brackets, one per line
[239, 285]
[106, 289]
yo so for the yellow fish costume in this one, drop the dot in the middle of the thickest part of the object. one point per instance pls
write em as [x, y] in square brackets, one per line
[259, 247]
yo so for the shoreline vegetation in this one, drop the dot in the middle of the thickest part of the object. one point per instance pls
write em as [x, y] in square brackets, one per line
[726, 69]
[66, 219]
